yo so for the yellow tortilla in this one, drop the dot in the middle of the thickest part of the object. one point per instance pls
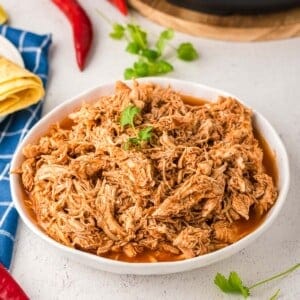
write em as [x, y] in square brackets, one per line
[19, 88]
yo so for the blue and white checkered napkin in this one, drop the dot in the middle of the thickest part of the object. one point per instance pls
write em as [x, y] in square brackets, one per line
[34, 50]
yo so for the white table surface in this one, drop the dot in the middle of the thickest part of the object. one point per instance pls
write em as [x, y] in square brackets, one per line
[265, 75]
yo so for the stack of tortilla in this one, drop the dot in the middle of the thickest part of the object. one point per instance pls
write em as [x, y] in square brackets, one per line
[19, 88]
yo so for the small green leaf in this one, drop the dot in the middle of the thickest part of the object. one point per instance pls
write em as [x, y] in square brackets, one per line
[133, 48]
[141, 69]
[145, 134]
[150, 54]
[118, 31]
[221, 282]
[165, 35]
[129, 73]
[128, 115]
[137, 35]
[236, 283]
[231, 285]
[160, 67]
[187, 52]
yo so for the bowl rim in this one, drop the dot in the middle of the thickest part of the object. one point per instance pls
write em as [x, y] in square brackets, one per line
[153, 267]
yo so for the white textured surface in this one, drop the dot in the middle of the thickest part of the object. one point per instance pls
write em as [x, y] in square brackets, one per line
[264, 75]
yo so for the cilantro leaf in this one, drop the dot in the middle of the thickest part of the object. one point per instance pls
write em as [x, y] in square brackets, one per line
[145, 134]
[161, 67]
[150, 54]
[165, 35]
[221, 281]
[141, 68]
[187, 52]
[128, 115]
[118, 31]
[133, 48]
[129, 73]
[137, 35]
[232, 285]
[236, 282]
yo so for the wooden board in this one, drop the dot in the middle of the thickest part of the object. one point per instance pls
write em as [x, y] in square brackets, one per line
[246, 28]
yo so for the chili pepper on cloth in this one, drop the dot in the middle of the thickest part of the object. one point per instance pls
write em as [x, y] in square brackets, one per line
[121, 5]
[82, 28]
[9, 288]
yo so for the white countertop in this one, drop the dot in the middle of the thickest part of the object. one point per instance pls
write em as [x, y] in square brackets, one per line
[265, 75]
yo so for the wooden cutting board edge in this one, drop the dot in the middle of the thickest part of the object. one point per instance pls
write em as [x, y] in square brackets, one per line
[272, 26]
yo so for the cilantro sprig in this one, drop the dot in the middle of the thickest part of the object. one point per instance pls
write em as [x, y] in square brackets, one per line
[127, 118]
[234, 285]
[144, 135]
[151, 60]
[151, 56]
[128, 115]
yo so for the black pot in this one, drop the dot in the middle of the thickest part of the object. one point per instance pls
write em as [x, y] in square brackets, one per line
[236, 6]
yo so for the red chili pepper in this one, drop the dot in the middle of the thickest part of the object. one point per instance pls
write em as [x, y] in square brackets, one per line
[82, 28]
[121, 5]
[9, 289]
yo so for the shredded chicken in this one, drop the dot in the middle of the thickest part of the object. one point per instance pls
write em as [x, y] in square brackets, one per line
[179, 192]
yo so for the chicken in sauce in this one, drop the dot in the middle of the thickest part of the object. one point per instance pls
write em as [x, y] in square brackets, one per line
[177, 194]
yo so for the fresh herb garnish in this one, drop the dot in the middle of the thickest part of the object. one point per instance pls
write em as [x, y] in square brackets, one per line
[231, 285]
[128, 115]
[137, 35]
[144, 135]
[187, 52]
[165, 36]
[151, 60]
[150, 54]
[127, 118]
[234, 284]
[118, 31]
[133, 48]
[144, 68]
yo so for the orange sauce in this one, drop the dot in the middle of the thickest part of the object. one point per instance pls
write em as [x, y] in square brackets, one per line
[244, 227]
[191, 100]
[66, 123]
[269, 157]
[145, 256]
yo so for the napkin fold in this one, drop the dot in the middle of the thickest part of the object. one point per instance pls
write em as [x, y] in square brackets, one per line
[34, 50]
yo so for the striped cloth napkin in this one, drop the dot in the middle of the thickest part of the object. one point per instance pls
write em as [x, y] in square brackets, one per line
[34, 50]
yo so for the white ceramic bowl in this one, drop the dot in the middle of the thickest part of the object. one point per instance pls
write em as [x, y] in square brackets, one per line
[184, 87]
